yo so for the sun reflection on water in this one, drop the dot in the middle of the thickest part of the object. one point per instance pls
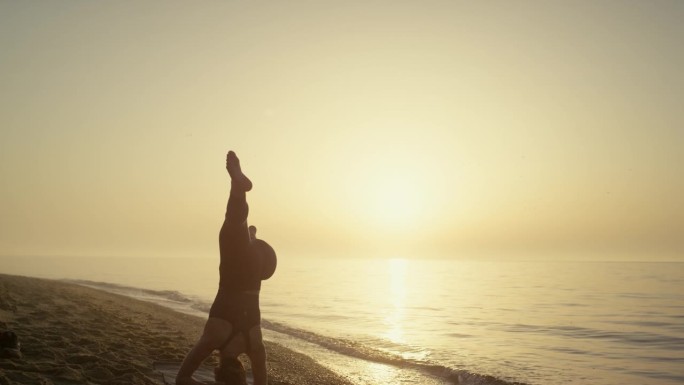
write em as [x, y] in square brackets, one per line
[382, 373]
[395, 318]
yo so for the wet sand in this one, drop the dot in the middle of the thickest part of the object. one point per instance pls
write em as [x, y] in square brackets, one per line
[78, 335]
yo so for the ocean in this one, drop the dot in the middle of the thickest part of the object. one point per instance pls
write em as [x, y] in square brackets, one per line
[414, 321]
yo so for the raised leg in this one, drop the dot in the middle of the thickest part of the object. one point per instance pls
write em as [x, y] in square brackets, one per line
[234, 234]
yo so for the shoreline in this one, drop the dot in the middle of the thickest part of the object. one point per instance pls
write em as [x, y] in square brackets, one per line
[80, 335]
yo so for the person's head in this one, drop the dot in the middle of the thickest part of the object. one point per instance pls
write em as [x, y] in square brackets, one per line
[230, 372]
[269, 261]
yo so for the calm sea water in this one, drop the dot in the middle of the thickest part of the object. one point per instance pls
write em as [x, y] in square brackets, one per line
[402, 321]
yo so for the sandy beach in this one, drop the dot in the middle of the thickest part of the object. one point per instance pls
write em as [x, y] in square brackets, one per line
[71, 334]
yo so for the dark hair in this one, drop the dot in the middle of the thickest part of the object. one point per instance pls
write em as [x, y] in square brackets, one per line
[230, 372]
[269, 261]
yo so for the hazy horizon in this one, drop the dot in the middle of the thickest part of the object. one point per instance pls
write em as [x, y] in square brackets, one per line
[392, 129]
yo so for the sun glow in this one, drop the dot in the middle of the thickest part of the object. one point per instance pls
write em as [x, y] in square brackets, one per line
[399, 191]
[395, 202]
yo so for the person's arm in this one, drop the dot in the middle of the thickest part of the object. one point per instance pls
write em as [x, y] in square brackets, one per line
[257, 357]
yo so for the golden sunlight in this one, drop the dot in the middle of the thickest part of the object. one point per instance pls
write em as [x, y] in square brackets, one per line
[394, 202]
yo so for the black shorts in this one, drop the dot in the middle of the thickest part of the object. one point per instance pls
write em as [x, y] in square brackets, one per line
[239, 308]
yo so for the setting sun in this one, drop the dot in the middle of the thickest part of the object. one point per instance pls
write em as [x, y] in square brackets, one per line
[395, 189]
[394, 202]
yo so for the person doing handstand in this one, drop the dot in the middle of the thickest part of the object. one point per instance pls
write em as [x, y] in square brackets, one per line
[235, 316]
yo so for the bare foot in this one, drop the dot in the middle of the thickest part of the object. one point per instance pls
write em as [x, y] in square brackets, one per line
[233, 166]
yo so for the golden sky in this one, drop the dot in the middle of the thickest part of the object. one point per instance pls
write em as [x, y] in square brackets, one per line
[371, 128]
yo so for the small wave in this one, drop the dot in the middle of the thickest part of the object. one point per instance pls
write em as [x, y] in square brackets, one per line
[358, 350]
[170, 298]
[460, 335]
[631, 338]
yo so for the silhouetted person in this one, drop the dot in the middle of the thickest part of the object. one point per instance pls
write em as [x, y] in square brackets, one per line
[234, 317]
